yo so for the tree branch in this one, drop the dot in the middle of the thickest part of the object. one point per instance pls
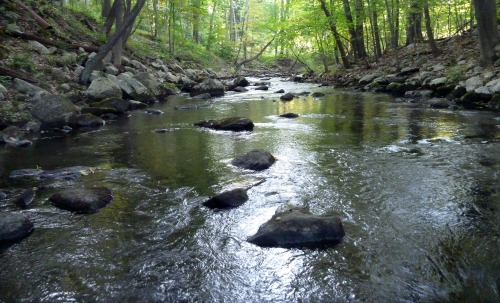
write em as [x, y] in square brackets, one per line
[27, 36]
[238, 65]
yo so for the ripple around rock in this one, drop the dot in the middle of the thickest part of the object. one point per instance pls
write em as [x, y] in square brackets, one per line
[82, 200]
[228, 199]
[14, 227]
[297, 227]
[255, 160]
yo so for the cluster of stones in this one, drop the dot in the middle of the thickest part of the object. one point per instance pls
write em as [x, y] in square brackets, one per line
[295, 227]
[15, 226]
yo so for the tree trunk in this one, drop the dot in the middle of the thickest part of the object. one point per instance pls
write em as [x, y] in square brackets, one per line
[196, 21]
[414, 25]
[238, 65]
[376, 31]
[428, 27]
[39, 20]
[333, 28]
[487, 29]
[118, 48]
[106, 48]
[106, 7]
[392, 28]
[360, 45]
[211, 27]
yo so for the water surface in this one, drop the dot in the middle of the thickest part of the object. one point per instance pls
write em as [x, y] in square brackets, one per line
[417, 190]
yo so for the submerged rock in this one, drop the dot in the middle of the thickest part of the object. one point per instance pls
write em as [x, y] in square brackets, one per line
[228, 199]
[233, 124]
[82, 200]
[66, 173]
[26, 198]
[255, 160]
[25, 173]
[289, 115]
[297, 227]
[14, 227]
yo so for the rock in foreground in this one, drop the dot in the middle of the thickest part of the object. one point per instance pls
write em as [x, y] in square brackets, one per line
[254, 160]
[82, 200]
[236, 124]
[228, 199]
[297, 227]
[14, 227]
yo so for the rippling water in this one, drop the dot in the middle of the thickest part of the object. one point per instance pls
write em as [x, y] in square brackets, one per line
[416, 188]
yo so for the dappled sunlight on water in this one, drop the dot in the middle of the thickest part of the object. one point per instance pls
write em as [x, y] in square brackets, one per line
[417, 190]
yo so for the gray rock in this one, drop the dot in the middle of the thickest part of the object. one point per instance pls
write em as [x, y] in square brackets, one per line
[23, 143]
[25, 173]
[38, 47]
[118, 104]
[280, 91]
[82, 200]
[85, 120]
[66, 173]
[254, 160]
[14, 227]
[134, 88]
[57, 74]
[152, 83]
[317, 94]
[53, 110]
[78, 70]
[3, 90]
[289, 115]
[65, 87]
[137, 65]
[368, 79]
[229, 199]
[32, 126]
[419, 93]
[103, 88]
[176, 68]
[231, 124]
[153, 111]
[110, 69]
[27, 88]
[240, 89]
[2, 97]
[211, 86]
[435, 83]
[205, 96]
[263, 87]
[483, 92]
[133, 104]
[68, 58]
[299, 228]
[472, 83]
[169, 77]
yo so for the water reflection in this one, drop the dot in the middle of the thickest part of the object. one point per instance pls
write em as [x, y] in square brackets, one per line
[416, 188]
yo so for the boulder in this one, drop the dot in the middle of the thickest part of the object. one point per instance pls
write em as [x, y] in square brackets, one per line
[317, 94]
[241, 81]
[368, 79]
[82, 200]
[118, 104]
[27, 88]
[14, 227]
[419, 93]
[232, 124]
[110, 69]
[133, 88]
[25, 173]
[85, 120]
[240, 89]
[53, 110]
[152, 83]
[3, 90]
[11, 134]
[472, 83]
[483, 92]
[287, 97]
[297, 227]
[38, 47]
[280, 91]
[176, 68]
[103, 88]
[254, 160]
[153, 111]
[211, 86]
[435, 83]
[229, 199]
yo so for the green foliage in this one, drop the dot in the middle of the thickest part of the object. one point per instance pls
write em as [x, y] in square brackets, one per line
[21, 61]
[5, 80]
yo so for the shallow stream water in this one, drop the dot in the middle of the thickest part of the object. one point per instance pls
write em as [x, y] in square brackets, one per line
[417, 190]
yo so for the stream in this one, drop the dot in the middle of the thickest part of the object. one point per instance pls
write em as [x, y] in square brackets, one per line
[417, 190]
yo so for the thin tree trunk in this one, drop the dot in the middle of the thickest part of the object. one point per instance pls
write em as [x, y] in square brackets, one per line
[106, 48]
[428, 27]
[238, 65]
[118, 47]
[211, 27]
[336, 35]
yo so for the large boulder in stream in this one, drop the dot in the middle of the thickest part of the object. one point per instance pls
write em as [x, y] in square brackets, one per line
[53, 110]
[236, 124]
[82, 200]
[211, 86]
[14, 227]
[228, 199]
[297, 227]
[254, 160]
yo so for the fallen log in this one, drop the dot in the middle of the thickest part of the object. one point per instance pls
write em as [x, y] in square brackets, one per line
[41, 22]
[26, 36]
[14, 74]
